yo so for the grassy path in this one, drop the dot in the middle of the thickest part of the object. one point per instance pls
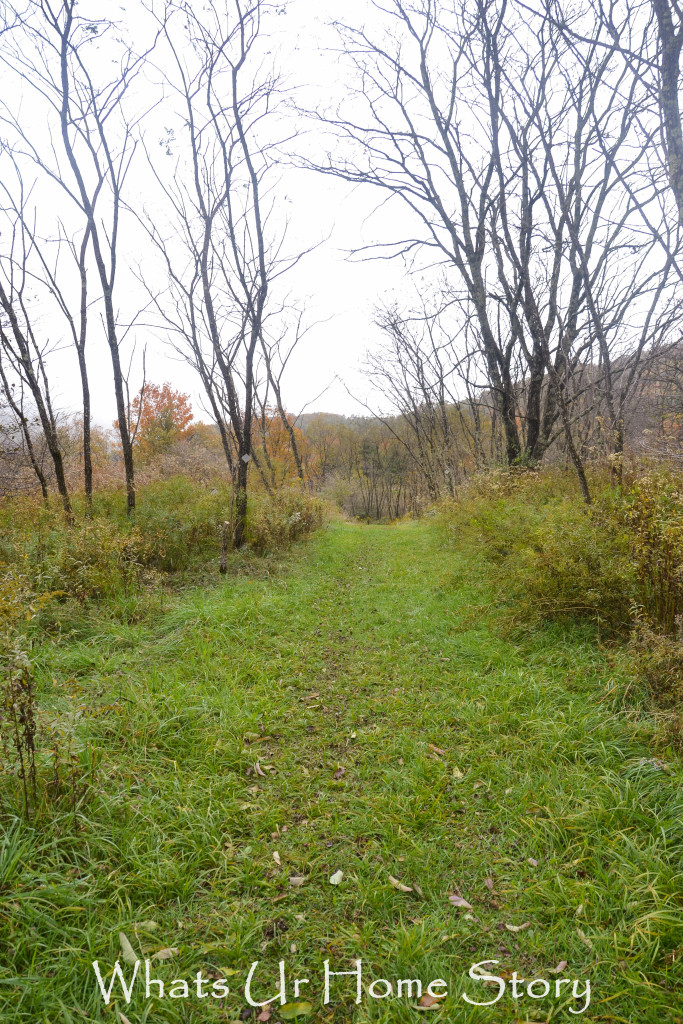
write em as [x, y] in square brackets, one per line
[359, 710]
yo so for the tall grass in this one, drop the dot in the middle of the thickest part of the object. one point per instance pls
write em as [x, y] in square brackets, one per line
[617, 563]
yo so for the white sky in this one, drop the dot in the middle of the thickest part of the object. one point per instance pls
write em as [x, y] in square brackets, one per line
[338, 292]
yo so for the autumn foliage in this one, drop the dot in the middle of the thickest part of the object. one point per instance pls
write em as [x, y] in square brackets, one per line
[159, 417]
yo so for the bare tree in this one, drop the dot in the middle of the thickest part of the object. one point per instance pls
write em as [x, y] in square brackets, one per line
[58, 54]
[13, 394]
[648, 37]
[510, 150]
[70, 297]
[223, 253]
[23, 354]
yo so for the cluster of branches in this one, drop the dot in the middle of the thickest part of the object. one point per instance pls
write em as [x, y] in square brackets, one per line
[534, 146]
[522, 142]
[222, 255]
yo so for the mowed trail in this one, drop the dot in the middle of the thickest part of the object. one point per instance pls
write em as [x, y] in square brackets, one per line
[364, 709]
[414, 738]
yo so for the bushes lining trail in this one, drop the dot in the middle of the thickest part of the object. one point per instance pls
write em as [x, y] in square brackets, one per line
[468, 753]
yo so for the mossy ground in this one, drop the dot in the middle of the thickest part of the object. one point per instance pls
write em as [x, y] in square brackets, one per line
[401, 731]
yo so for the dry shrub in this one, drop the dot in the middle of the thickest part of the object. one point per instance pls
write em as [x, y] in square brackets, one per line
[275, 521]
[655, 518]
[658, 658]
[95, 558]
[618, 562]
[18, 707]
[178, 520]
[551, 555]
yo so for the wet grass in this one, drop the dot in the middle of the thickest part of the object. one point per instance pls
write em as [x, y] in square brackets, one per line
[360, 709]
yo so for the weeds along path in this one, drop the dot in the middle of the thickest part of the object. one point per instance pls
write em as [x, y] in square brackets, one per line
[361, 710]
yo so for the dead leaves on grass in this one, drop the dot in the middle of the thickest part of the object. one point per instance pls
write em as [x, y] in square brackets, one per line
[167, 953]
[399, 885]
[458, 901]
[428, 1002]
[290, 1011]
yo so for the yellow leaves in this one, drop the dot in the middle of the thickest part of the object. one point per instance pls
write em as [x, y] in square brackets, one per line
[336, 878]
[290, 1011]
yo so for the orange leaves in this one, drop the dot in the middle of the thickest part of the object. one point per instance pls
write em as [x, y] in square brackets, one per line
[159, 416]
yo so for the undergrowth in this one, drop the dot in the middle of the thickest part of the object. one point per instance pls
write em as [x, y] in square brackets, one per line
[617, 563]
[361, 712]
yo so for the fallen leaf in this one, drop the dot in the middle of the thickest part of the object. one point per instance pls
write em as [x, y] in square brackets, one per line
[264, 1015]
[339, 772]
[352, 735]
[251, 737]
[518, 927]
[488, 882]
[336, 878]
[560, 967]
[458, 901]
[147, 926]
[417, 889]
[166, 953]
[436, 750]
[129, 954]
[532, 861]
[399, 885]
[430, 1002]
[584, 938]
[579, 910]
[276, 858]
[259, 770]
[297, 880]
[401, 761]
[457, 774]
[292, 948]
[291, 1010]
[122, 1017]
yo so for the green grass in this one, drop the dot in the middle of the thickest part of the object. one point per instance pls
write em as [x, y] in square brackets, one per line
[363, 650]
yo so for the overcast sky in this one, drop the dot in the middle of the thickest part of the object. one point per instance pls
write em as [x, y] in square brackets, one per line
[339, 293]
